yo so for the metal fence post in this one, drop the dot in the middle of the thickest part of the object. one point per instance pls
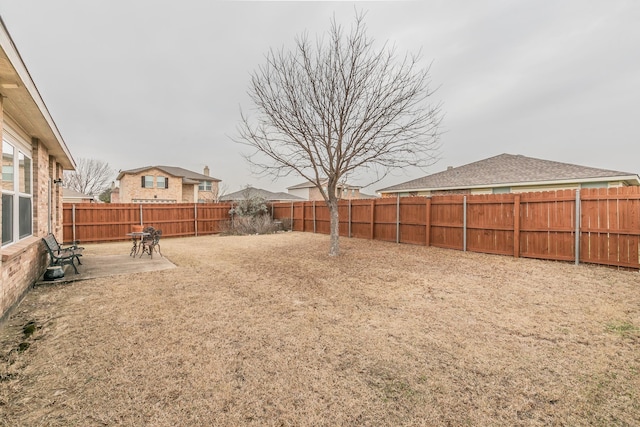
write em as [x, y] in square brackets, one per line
[464, 223]
[398, 218]
[141, 221]
[73, 220]
[314, 216]
[577, 228]
[349, 218]
[195, 219]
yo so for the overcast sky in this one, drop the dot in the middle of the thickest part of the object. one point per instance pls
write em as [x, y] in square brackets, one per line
[150, 82]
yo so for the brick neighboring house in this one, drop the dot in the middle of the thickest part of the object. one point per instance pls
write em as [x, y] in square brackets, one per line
[508, 173]
[308, 191]
[165, 184]
[34, 156]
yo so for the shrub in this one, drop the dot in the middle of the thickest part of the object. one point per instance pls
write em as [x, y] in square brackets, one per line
[241, 225]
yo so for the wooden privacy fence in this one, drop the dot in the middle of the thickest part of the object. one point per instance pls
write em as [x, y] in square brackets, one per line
[600, 226]
[98, 222]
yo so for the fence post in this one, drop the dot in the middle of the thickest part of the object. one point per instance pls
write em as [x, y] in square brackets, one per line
[464, 223]
[398, 218]
[314, 216]
[349, 235]
[373, 212]
[577, 227]
[73, 220]
[291, 226]
[427, 221]
[141, 221]
[516, 226]
[304, 208]
[195, 219]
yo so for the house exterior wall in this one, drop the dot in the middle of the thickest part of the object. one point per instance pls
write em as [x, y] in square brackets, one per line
[131, 190]
[299, 192]
[188, 193]
[208, 196]
[23, 262]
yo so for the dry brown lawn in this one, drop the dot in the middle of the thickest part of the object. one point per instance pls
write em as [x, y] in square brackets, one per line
[268, 330]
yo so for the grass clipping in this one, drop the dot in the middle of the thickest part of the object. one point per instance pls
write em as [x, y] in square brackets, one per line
[269, 330]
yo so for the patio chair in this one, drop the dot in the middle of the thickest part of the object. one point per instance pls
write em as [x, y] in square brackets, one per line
[151, 243]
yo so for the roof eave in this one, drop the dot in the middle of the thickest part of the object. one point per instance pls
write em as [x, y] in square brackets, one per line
[24, 104]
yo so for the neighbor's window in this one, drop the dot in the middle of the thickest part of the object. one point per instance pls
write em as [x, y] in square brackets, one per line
[205, 186]
[162, 182]
[147, 181]
[17, 211]
[501, 190]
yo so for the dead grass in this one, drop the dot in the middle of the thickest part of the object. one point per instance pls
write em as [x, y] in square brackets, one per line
[268, 330]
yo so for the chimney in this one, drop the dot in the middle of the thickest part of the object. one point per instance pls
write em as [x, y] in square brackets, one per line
[206, 170]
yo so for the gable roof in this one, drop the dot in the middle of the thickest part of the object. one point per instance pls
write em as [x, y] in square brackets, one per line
[511, 170]
[258, 192]
[187, 175]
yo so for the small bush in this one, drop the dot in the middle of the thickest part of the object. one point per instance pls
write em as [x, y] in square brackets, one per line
[261, 224]
[287, 224]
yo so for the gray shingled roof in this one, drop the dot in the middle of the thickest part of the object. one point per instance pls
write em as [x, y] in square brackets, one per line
[186, 174]
[509, 169]
[323, 181]
[258, 192]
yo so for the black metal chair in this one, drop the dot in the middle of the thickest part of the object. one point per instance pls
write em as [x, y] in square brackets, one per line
[150, 243]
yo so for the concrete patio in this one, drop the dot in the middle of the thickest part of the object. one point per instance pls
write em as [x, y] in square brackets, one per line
[94, 266]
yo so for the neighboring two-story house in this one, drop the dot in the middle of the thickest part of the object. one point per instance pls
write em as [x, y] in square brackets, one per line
[308, 191]
[165, 184]
[34, 156]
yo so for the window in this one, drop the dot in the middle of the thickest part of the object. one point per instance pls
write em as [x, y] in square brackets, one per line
[147, 181]
[501, 190]
[17, 206]
[205, 186]
[162, 182]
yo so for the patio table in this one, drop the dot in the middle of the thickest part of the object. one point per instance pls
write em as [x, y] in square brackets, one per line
[136, 238]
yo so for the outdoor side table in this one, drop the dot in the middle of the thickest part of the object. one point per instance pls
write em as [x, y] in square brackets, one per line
[136, 238]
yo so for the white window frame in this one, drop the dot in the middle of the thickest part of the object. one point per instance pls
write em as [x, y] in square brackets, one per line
[164, 181]
[20, 146]
[204, 184]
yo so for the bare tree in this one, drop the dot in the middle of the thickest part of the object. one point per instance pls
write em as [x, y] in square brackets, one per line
[328, 109]
[91, 177]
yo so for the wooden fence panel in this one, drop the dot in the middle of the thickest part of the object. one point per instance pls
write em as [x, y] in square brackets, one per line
[490, 221]
[93, 222]
[547, 225]
[610, 229]
[211, 217]
[413, 220]
[384, 227]
[361, 214]
[447, 222]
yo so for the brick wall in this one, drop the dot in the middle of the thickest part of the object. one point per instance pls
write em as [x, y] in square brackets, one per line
[131, 188]
[21, 271]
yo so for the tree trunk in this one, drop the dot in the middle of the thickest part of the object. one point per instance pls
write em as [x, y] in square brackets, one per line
[334, 242]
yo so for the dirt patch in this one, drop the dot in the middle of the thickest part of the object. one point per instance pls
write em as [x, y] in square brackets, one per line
[269, 330]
